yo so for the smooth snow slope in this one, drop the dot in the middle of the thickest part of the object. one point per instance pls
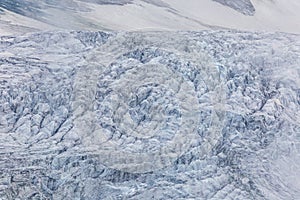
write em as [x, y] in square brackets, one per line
[182, 115]
[144, 15]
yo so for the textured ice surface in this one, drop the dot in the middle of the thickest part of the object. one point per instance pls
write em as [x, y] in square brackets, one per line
[187, 115]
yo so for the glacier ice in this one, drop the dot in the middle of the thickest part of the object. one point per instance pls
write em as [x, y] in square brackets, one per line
[157, 115]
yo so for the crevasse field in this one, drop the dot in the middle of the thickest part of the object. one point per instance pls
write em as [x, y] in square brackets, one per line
[89, 115]
[185, 115]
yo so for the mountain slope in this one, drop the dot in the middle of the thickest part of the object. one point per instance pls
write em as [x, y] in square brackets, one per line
[144, 15]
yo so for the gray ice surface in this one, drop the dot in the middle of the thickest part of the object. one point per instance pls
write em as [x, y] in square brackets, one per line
[243, 6]
[182, 115]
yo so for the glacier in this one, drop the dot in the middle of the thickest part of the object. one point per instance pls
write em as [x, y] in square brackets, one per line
[153, 115]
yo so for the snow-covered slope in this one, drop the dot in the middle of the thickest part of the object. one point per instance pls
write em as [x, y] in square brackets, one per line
[181, 115]
[143, 15]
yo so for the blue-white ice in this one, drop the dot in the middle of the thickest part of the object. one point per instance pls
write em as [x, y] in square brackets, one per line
[182, 115]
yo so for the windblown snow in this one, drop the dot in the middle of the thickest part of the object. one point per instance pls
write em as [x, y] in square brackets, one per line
[17, 17]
